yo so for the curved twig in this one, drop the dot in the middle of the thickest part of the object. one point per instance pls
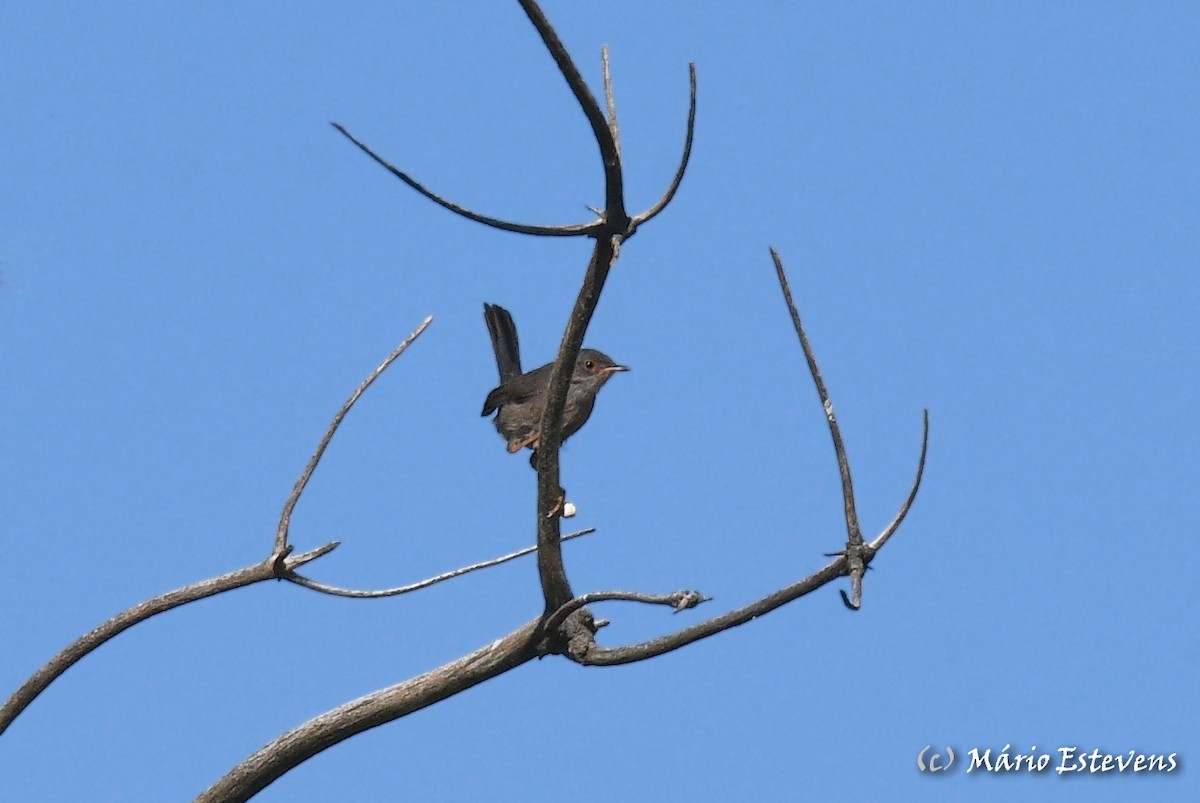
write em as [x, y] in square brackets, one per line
[56, 666]
[285, 518]
[679, 600]
[575, 230]
[392, 592]
[683, 162]
[912, 494]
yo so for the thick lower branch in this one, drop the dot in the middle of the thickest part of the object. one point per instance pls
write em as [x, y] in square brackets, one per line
[293, 748]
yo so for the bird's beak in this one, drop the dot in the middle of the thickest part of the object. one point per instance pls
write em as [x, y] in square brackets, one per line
[612, 369]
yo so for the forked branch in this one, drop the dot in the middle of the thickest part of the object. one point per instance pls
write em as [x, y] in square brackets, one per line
[617, 228]
[613, 219]
[565, 625]
[853, 561]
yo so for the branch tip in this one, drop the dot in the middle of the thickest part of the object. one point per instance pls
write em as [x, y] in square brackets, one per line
[285, 518]
[576, 230]
[351, 593]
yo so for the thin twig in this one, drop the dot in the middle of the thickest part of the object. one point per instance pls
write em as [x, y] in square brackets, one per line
[912, 494]
[683, 162]
[852, 530]
[678, 600]
[391, 592]
[610, 100]
[285, 518]
[574, 230]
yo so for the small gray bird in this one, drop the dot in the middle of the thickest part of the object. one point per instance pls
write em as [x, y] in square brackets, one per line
[520, 399]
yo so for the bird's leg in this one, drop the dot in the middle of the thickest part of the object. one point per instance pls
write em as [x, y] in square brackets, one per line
[530, 441]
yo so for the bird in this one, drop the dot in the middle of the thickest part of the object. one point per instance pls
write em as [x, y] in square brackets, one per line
[520, 398]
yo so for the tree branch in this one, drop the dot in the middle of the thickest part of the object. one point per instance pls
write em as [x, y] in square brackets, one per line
[575, 230]
[609, 232]
[883, 537]
[285, 518]
[450, 575]
[555, 587]
[54, 668]
[594, 655]
[854, 534]
[615, 216]
[257, 771]
[678, 600]
[653, 211]
[853, 561]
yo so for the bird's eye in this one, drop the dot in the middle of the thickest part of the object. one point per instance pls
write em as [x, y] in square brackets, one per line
[589, 364]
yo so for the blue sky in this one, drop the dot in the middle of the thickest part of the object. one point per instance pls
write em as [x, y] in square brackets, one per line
[989, 210]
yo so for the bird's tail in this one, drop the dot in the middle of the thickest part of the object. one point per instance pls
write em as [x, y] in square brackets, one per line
[503, 332]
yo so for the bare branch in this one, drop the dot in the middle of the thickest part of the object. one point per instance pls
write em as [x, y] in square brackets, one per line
[595, 655]
[679, 600]
[391, 592]
[852, 530]
[285, 518]
[852, 562]
[370, 711]
[860, 556]
[616, 218]
[56, 666]
[912, 494]
[854, 602]
[576, 230]
[555, 587]
[296, 561]
[683, 162]
[613, 227]
[610, 100]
